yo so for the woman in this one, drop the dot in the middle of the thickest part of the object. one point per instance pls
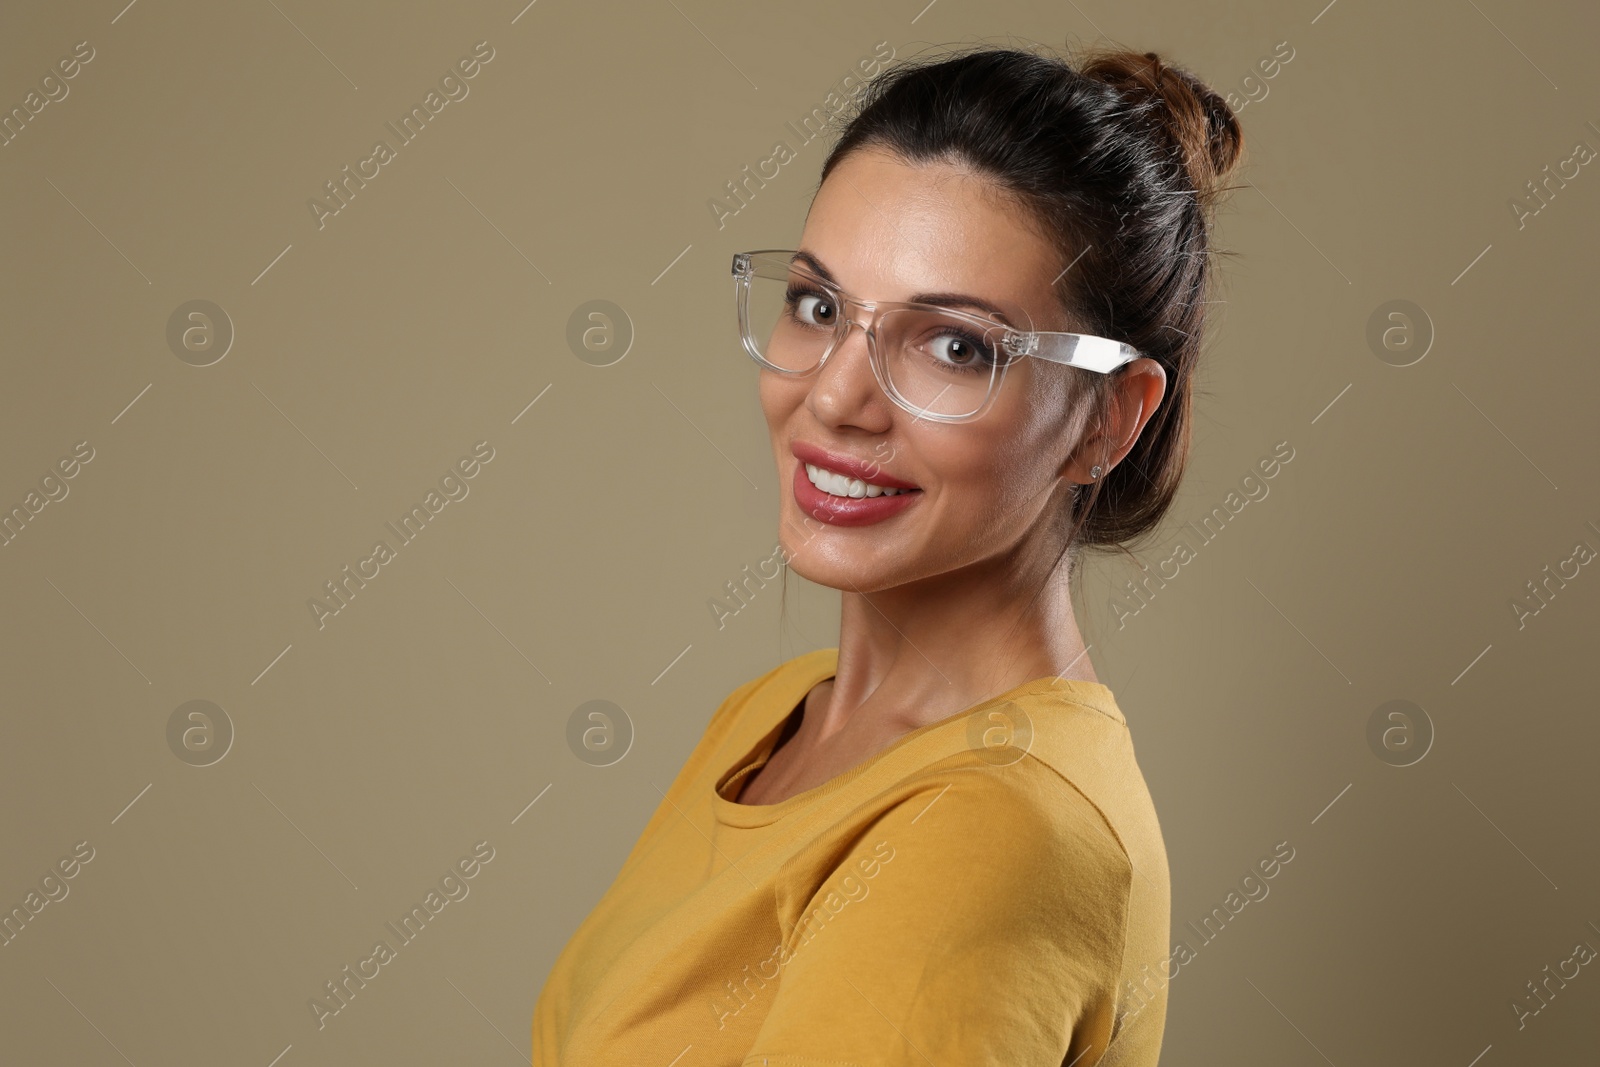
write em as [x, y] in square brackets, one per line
[933, 844]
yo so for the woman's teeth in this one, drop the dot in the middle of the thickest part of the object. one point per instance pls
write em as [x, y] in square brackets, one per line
[835, 484]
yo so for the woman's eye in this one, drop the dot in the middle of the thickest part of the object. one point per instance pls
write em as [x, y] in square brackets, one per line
[960, 350]
[812, 308]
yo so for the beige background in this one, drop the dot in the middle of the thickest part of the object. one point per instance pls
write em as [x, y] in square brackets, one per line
[369, 356]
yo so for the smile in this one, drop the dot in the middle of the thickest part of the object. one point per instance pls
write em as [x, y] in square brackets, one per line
[836, 484]
[844, 490]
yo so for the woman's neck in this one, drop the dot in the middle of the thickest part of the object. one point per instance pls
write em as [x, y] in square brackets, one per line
[924, 651]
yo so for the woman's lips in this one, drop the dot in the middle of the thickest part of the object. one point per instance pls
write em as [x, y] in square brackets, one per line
[847, 510]
[849, 466]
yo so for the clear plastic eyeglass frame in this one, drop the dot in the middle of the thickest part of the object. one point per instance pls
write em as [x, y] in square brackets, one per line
[1085, 351]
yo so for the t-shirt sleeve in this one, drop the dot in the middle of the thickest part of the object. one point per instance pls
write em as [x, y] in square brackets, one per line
[980, 921]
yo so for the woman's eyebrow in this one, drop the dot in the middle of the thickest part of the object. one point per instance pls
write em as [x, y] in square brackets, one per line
[941, 299]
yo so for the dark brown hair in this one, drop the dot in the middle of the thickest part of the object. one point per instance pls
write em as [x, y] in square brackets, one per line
[1121, 159]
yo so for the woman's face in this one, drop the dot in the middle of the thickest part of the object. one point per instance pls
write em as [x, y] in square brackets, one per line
[987, 488]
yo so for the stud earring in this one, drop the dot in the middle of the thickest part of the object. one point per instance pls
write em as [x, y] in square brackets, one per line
[1094, 471]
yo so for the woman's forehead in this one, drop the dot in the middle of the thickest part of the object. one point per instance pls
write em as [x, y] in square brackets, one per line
[888, 230]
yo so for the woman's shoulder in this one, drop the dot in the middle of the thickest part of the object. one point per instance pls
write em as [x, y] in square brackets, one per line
[1061, 763]
[1024, 798]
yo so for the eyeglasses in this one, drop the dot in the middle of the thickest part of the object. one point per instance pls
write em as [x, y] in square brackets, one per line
[936, 362]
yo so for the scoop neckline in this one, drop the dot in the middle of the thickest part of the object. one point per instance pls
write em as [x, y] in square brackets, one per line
[818, 666]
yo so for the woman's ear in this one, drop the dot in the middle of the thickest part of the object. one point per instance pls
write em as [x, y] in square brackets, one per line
[1134, 395]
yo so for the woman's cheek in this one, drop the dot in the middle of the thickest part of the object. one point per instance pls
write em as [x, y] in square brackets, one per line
[779, 397]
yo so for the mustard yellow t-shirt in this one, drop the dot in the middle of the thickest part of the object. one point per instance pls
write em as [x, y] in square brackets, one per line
[988, 890]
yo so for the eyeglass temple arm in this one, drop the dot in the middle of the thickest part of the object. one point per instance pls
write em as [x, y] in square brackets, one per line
[1099, 354]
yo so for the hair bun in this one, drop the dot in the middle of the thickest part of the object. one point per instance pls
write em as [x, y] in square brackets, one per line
[1195, 118]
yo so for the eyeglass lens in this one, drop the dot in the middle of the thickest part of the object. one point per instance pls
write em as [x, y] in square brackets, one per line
[938, 364]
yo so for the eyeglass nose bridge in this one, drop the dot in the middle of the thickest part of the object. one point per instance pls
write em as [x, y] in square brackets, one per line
[868, 324]
[868, 327]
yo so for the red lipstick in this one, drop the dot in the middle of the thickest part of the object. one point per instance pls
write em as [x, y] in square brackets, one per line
[845, 510]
